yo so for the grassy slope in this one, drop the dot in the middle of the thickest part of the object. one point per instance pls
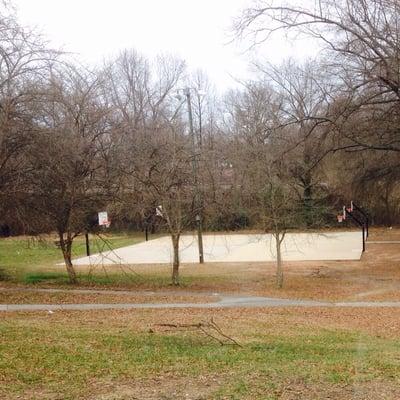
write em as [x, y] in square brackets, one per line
[375, 277]
[41, 356]
[31, 260]
[286, 354]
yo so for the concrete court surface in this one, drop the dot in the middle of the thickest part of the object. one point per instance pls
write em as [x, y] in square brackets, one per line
[236, 248]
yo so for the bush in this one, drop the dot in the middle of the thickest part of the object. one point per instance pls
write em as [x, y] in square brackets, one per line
[230, 221]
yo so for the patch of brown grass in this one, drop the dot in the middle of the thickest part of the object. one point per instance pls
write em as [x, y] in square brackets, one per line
[251, 327]
[242, 323]
[32, 297]
[354, 391]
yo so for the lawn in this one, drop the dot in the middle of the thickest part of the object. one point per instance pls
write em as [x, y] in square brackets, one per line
[35, 259]
[284, 354]
[375, 277]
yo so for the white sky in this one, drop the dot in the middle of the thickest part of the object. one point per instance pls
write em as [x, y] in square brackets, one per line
[198, 31]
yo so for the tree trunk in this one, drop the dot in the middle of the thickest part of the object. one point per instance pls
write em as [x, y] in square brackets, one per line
[307, 198]
[308, 201]
[175, 264]
[279, 270]
[307, 182]
[386, 200]
[66, 247]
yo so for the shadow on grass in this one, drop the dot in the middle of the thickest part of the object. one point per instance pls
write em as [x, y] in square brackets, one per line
[4, 276]
[40, 277]
[104, 280]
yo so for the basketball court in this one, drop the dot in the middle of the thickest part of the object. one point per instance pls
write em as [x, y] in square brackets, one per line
[236, 248]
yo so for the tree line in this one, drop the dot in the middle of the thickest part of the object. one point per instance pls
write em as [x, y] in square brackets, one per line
[135, 135]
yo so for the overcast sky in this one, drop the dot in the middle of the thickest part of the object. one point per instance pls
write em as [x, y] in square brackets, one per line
[198, 31]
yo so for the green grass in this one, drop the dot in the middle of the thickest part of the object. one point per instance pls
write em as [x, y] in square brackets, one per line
[120, 278]
[64, 359]
[32, 260]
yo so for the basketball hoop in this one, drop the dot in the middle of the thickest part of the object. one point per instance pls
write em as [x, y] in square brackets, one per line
[340, 218]
[103, 219]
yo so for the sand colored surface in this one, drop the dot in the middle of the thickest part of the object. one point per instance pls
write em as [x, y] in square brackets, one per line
[237, 248]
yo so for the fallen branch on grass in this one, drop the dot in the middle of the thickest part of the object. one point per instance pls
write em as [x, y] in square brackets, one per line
[210, 329]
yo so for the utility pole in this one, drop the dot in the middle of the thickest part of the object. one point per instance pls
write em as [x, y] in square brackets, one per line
[195, 166]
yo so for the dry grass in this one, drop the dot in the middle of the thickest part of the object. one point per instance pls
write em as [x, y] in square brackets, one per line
[240, 323]
[287, 353]
[32, 297]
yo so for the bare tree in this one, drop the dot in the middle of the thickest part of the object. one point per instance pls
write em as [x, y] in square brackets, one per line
[362, 39]
[155, 150]
[279, 211]
[271, 152]
[67, 180]
[24, 66]
[269, 195]
[163, 174]
[304, 121]
[140, 90]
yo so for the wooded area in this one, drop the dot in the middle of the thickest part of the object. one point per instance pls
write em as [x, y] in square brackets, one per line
[282, 151]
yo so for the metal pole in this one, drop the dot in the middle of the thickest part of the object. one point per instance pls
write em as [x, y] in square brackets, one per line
[361, 224]
[196, 182]
[87, 244]
[364, 214]
[363, 233]
[200, 238]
